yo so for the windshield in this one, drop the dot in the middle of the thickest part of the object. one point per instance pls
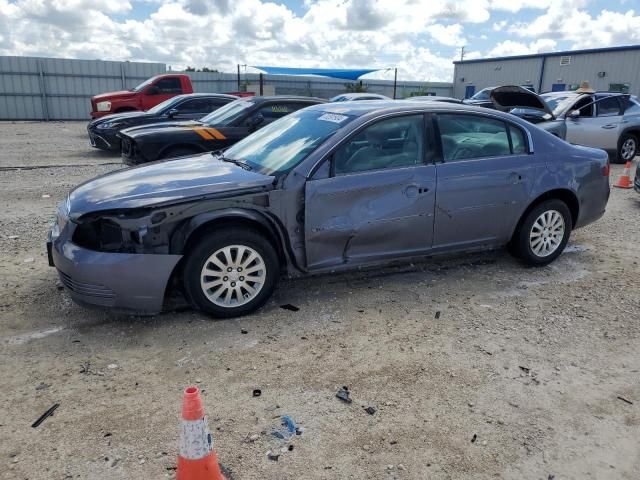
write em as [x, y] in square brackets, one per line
[225, 116]
[283, 144]
[482, 94]
[143, 85]
[167, 103]
[559, 103]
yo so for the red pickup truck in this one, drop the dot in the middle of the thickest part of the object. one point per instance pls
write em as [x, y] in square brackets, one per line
[146, 95]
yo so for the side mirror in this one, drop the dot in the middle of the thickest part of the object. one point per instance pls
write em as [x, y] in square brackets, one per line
[153, 90]
[256, 120]
[574, 114]
[173, 113]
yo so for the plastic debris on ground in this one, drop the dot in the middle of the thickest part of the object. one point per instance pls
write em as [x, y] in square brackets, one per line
[281, 437]
[343, 394]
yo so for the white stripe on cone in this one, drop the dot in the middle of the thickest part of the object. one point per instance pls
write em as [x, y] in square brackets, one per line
[195, 441]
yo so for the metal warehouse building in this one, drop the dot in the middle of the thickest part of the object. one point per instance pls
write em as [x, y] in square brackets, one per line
[609, 69]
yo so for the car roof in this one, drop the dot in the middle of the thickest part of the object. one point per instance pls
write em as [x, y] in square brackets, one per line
[359, 109]
[265, 98]
[214, 95]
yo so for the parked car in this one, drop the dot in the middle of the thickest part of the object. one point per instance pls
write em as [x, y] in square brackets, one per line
[352, 97]
[606, 120]
[148, 94]
[482, 98]
[325, 189]
[434, 98]
[636, 180]
[103, 131]
[218, 130]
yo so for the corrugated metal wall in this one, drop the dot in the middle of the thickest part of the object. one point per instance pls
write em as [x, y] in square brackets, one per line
[619, 67]
[490, 74]
[59, 89]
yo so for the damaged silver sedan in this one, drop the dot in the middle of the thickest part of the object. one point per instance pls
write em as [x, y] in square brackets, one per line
[328, 188]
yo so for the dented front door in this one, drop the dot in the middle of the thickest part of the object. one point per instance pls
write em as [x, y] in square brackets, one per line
[369, 216]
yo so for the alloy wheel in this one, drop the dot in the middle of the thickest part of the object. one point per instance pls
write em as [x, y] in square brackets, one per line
[547, 233]
[628, 149]
[233, 276]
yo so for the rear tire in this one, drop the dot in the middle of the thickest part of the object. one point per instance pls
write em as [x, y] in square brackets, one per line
[231, 272]
[627, 148]
[543, 233]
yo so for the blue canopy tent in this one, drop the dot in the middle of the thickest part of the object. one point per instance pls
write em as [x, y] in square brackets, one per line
[342, 73]
[345, 74]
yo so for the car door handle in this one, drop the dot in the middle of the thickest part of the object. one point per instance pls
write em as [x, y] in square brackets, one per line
[609, 126]
[413, 191]
[514, 177]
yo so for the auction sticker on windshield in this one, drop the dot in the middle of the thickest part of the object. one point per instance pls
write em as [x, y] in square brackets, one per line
[333, 117]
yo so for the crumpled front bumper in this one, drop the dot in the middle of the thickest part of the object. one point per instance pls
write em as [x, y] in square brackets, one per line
[134, 283]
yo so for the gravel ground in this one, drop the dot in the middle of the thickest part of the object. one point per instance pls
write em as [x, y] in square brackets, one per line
[478, 367]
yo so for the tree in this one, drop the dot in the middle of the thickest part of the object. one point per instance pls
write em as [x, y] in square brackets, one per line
[356, 87]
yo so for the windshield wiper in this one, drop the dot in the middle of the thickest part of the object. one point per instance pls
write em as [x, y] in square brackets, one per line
[240, 163]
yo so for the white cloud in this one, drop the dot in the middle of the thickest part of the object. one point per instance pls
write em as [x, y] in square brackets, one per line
[420, 37]
[509, 47]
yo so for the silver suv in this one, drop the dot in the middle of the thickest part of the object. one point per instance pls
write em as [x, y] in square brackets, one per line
[606, 120]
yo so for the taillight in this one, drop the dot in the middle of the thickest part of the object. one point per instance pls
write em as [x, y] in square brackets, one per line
[606, 169]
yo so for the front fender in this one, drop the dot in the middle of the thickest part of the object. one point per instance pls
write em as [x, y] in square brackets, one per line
[181, 236]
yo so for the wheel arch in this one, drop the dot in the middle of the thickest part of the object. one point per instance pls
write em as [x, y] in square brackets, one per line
[197, 227]
[564, 194]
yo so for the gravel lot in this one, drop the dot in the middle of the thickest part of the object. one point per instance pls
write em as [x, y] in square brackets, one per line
[521, 374]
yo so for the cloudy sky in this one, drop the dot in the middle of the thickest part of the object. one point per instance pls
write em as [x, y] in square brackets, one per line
[420, 37]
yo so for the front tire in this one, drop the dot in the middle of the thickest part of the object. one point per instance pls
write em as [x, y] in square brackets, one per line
[627, 148]
[231, 273]
[543, 233]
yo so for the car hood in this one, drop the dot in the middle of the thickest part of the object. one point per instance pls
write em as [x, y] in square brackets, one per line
[120, 116]
[154, 127]
[508, 97]
[163, 182]
[113, 95]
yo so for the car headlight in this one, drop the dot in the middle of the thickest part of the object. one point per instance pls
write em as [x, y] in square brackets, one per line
[103, 106]
[104, 126]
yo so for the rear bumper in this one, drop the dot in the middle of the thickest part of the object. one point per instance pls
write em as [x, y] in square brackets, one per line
[133, 283]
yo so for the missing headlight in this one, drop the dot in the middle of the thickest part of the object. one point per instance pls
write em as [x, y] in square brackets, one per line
[100, 235]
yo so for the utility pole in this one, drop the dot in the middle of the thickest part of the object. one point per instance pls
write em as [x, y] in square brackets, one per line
[395, 82]
[238, 77]
[462, 54]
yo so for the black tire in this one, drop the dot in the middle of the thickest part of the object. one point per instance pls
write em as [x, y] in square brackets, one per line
[179, 152]
[623, 155]
[212, 243]
[521, 242]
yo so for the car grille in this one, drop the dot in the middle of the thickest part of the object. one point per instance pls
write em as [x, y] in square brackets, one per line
[88, 289]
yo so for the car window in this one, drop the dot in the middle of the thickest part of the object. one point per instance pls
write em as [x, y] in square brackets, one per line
[273, 111]
[169, 85]
[469, 136]
[391, 143]
[166, 105]
[229, 114]
[283, 144]
[633, 108]
[608, 106]
[584, 106]
[483, 94]
[196, 105]
[518, 142]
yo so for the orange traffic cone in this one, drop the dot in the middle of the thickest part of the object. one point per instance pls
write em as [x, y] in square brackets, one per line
[624, 181]
[197, 459]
